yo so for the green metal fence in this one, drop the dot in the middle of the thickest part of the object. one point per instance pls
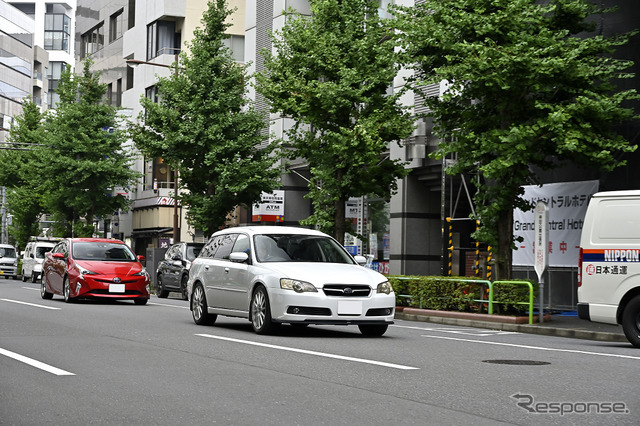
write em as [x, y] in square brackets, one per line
[490, 302]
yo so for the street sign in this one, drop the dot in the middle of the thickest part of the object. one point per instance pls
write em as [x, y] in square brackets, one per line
[541, 226]
[541, 237]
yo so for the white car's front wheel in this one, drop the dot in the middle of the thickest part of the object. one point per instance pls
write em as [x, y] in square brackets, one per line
[261, 312]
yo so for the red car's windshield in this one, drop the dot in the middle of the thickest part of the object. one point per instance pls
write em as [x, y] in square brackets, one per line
[102, 251]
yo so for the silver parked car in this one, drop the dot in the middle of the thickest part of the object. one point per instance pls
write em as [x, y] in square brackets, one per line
[274, 274]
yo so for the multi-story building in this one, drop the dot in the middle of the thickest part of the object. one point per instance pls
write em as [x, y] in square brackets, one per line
[23, 63]
[16, 63]
[53, 33]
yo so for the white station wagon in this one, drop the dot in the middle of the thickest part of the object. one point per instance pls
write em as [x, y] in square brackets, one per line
[276, 275]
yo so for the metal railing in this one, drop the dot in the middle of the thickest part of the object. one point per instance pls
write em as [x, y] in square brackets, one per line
[490, 302]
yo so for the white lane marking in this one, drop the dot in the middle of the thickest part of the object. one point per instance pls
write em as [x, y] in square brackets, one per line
[166, 304]
[304, 351]
[539, 348]
[32, 362]
[30, 304]
[470, 331]
[31, 288]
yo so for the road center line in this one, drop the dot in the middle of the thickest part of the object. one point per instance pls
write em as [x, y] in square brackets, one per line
[171, 306]
[32, 362]
[304, 351]
[31, 304]
[539, 348]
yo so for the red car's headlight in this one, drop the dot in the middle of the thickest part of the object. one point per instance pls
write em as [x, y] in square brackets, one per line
[143, 273]
[83, 271]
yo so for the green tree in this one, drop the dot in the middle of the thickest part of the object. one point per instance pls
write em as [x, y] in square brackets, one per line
[332, 73]
[20, 172]
[530, 86]
[86, 158]
[204, 127]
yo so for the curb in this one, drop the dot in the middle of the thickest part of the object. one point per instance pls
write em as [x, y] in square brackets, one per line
[451, 318]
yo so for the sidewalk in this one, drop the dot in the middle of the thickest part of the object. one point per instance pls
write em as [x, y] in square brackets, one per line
[565, 324]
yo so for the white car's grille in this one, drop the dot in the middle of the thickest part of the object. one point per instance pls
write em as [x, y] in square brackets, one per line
[347, 290]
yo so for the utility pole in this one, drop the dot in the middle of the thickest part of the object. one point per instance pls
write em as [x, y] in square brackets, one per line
[4, 236]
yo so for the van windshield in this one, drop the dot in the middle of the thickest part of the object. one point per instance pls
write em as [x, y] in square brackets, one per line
[7, 252]
[41, 251]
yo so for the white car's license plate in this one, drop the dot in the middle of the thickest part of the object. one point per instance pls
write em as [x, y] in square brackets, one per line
[349, 307]
[116, 288]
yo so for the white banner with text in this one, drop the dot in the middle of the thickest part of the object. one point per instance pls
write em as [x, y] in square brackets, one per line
[567, 203]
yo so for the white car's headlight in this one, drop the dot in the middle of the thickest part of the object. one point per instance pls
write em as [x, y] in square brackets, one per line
[297, 285]
[385, 287]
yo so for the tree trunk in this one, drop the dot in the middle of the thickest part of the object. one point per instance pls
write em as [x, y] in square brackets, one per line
[339, 221]
[504, 254]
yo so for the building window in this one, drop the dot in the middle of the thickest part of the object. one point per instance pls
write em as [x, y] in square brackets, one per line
[57, 28]
[162, 39]
[151, 93]
[129, 78]
[92, 41]
[15, 31]
[26, 8]
[118, 100]
[131, 21]
[54, 72]
[17, 63]
[116, 25]
[236, 44]
[109, 94]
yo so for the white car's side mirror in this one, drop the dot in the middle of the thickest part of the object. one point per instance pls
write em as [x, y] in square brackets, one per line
[239, 257]
[361, 260]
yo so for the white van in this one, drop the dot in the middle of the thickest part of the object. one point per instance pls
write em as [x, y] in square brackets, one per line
[609, 267]
[8, 261]
[33, 258]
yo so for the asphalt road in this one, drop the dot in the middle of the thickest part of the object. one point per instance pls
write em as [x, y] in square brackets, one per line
[118, 363]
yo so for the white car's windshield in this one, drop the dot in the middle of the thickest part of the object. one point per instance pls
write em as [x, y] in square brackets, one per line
[299, 248]
[102, 252]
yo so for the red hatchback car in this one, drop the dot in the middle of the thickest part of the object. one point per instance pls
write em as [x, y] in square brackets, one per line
[83, 268]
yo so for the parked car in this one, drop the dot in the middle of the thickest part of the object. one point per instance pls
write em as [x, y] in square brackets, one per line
[33, 258]
[80, 268]
[172, 273]
[273, 275]
[8, 261]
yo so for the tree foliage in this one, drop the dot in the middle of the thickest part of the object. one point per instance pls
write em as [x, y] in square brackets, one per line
[204, 127]
[73, 160]
[530, 85]
[85, 159]
[19, 173]
[332, 73]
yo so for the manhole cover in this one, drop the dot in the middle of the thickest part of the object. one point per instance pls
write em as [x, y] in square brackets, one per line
[516, 362]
